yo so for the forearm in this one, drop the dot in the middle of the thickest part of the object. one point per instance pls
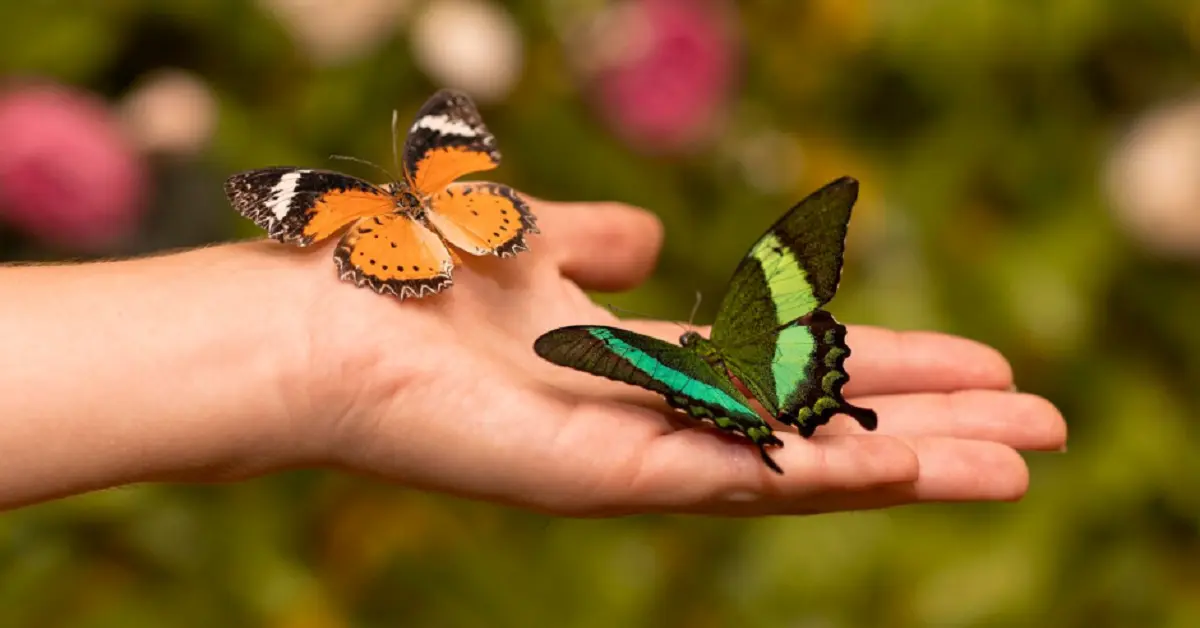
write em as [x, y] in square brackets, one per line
[149, 369]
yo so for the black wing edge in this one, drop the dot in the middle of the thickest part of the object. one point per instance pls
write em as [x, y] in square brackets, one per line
[831, 337]
[847, 188]
[843, 184]
[248, 192]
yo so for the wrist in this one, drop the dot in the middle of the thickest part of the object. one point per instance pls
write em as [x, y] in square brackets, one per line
[334, 358]
[266, 360]
[191, 366]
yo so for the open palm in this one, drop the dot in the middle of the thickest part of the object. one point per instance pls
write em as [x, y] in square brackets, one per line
[446, 393]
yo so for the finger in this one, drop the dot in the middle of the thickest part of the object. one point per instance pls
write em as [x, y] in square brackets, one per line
[601, 246]
[1019, 420]
[884, 361]
[952, 470]
[699, 471]
[955, 470]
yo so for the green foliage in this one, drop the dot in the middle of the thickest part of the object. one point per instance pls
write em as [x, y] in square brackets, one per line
[978, 131]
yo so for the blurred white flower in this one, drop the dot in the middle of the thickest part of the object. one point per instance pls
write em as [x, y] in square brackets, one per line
[337, 32]
[770, 160]
[472, 45]
[170, 112]
[1154, 179]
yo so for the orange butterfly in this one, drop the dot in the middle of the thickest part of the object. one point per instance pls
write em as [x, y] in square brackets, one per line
[398, 241]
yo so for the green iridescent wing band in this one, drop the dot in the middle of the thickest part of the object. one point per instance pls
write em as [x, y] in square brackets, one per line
[774, 337]
[811, 405]
[681, 376]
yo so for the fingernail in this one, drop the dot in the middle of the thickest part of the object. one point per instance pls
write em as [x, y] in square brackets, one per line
[1013, 388]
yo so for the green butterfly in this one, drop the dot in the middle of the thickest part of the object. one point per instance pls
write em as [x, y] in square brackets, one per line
[770, 334]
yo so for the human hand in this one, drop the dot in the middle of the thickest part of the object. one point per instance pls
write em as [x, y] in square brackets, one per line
[446, 393]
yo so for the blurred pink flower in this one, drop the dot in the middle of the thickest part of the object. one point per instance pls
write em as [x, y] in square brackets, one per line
[68, 177]
[662, 71]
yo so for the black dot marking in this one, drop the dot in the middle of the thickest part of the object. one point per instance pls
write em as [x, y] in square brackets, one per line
[360, 254]
[416, 268]
[385, 266]
[503, 212]
[376, 236]
[372, 262]
[393, 244]
[503, 228]
[474, 212]
[506, 221]
[496, 233]
[377, 221]
[467, 191]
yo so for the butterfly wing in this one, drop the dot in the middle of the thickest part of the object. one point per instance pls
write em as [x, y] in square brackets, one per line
[482, 218]
[798, 373]
[393, 254]
[683, 377]
[302, 206]
[447, 140]
[786, 351]
[793, 269]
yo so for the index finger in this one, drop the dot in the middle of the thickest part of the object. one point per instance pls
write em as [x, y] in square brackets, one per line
[601, 246]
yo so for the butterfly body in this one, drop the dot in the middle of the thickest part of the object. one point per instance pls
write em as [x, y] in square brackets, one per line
[771, 335]
[400, 234]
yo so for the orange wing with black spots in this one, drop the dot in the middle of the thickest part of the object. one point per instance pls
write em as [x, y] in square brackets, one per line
[394, 254]
[302, 206]
[446, 141]
[482, 218]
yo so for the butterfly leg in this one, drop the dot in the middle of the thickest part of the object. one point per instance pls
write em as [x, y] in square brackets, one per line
[758, 432]
[763, 437]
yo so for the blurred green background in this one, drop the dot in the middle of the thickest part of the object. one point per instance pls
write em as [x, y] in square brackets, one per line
[1030, 178]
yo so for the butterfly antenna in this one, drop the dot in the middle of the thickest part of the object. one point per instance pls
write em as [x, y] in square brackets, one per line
[695, 308]
[395, 146]
[619, 310]
[390, 176]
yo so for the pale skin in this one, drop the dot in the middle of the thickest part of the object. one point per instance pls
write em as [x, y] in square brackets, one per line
[244, 359]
